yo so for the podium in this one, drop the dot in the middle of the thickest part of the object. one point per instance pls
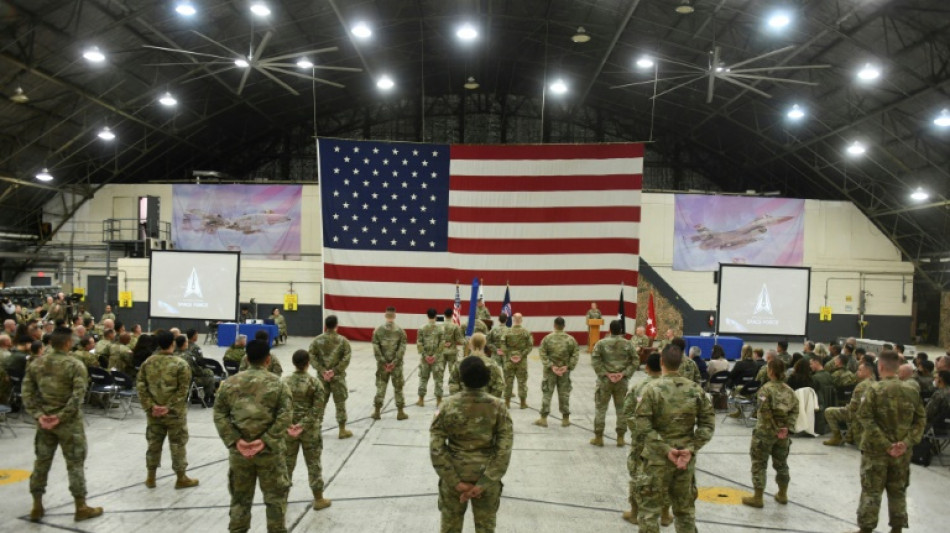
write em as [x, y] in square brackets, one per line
[593, 332]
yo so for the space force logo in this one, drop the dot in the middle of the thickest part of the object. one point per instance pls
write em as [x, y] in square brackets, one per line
[193, 286]
[762, 312]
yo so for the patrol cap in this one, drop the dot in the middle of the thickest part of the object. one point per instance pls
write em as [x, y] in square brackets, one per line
[474, 373]
[257, 351]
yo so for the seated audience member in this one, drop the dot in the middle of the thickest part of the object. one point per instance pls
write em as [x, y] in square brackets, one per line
[717, 362]
[906, 374]
[745, 367]
[696, 354]
[144, 348]
[938, 409]
[925, 378]
[827, 395]
[758, 356]
[796, 357]
[942, 363]
[841, 376]
[821, 351]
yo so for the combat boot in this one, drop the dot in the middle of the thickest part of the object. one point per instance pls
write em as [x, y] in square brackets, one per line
[344, 433]
[598, 439]
[319, 502]
[84, 512]
[755, 500]
[631, 515]
[620, 441]
[150, 480]
[401, 415]
[835, 439]
[375, 415]
[566, 421]
[782, 495]
[849, 438]
[543, 422]
[438, 401]
[666, 518]
[421, 402]
[37, 512]
[524, 403]
[185, 482]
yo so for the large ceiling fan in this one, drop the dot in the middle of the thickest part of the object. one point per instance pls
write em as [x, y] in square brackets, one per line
[255, 60]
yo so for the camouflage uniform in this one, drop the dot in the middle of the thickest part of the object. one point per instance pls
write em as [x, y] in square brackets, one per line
[557, 349]
[518, 343]
[593, 313]
[496, 343]
[235, 354]
[673, 412]
[308, 401]
[452, 338]
[778, 408]
[612, 355]
[87, 359]
[120, 358]
[281, 322]
[389, 346]
[636, 439]
[639, 341]
[889, 412]
[165, 379]
[785, 357]
[688, 369]
[429, 344]
[331, 351]
[102, 349]
[496, 387]
[843, 377]
[133, 341]
[204, 377]
[273, 368]
[255, 405]
[107, 316]
[835, 416]
[827, 397]
[481, 313]
[15, 363]
[938, 408]
[470, 441]
[56, 385]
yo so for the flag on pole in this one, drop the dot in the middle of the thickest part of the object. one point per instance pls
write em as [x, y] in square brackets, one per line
[471, 308]
[457, 308]
[402, 222]
[506, 306]
[621, 316]
[651, 319]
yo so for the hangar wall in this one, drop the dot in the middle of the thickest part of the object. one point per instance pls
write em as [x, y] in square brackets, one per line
[846, 252]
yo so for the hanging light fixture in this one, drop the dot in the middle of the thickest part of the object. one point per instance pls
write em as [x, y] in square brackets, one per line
[581, 36]
[856, 149]
[471, 84]
[362, 30]
[796, 112]
[167, 100]
[304, 63]
[44, 175]
[94, 55]
[645, 62]
[869, 72]
[385, 83]
[559, 87]
[942, 120]
[260, 9]
[185, 8]
[919, 195]
[20, 97]
[685, 8]
[106, 134]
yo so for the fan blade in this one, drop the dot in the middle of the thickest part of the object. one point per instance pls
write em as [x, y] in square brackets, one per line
[712, 76]
[304, 76]
[746, 86]
[763, 56]
[268, 64]
[180, 51]
[768, 78]
[681, 85]
[189, 64]
[260, 49]
[304, 53]
[216, 43]
[767, 69]
[650, 81]
[247, 72]
[278, 81]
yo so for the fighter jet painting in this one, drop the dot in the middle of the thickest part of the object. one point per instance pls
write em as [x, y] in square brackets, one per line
[736, 238]
[247, 224]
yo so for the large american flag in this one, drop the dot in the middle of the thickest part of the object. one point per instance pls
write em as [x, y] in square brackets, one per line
[404, 222]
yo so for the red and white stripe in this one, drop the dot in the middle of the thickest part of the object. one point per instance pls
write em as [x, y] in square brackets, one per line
[558, 222]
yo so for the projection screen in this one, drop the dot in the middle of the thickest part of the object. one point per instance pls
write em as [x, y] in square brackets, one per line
[196, 285]
[756, 300]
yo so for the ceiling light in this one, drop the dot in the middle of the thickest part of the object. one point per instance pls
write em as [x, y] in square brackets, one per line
[241, 62]
[385, 83]
[942, 120]
[779, 20]
[106, 134]
[362, 31]
[260, 9]
[20, 97]
[467, 33]
[167, 100]
[869, 72]
[581, 36]
[94, 54]
[684, 8]
[44, 175]
[796, 112]
[471, 84]
[856, 148]
[305, 63]
[185, 8]
[919, 195]
[559, 87]
[645, 62]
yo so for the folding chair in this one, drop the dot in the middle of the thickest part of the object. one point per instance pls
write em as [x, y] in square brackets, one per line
[215, 367]
[232, 367]
[101, 386]
[939, 438]
[16, 391]
[718, 395]
[125, 392]
[748, 402]
[197, 392]
[4, 421]
[212, 336]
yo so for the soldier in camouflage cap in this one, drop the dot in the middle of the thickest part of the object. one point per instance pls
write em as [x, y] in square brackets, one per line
[675, 419]
[83, 353]
[892, 420]
[614, 363]
[835, 416]
[517, 345]
[778, 411]
[429, 346]
[470, 444]
[163, 383]
[452, 338]
[235, 353]
[496, 385]
[252, 414]
[496, 340]
[309, 401]
[559, 353]
[389, 347]
[330, 355]
[53, 390]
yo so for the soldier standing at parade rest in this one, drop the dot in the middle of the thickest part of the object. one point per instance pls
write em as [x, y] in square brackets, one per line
[496, 385]
[53, 390]
[892, 420]
[452, 338]
[614, 363]
[163, 383]
[252, 414]
[559, 354]
[496, 340]
[518, 344]
[429, 346]
[470, 443]
[389, 347]
[309, 403]
[778, 410]
[676, 420]
[330, 355]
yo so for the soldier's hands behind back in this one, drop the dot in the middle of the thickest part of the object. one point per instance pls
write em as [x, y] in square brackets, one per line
[897, 449]
[782, 433]
[295, 430]
[159, 411]
[48, 422]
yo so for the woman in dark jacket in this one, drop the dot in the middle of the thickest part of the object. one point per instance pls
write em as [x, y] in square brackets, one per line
[801, 377]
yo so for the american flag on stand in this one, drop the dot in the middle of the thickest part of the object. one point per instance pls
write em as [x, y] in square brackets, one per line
[457, 308]
[402, 222]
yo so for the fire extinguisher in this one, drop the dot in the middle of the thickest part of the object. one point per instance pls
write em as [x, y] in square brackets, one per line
[712, 320]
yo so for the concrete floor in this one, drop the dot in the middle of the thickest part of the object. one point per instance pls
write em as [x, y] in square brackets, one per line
[381, 479]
